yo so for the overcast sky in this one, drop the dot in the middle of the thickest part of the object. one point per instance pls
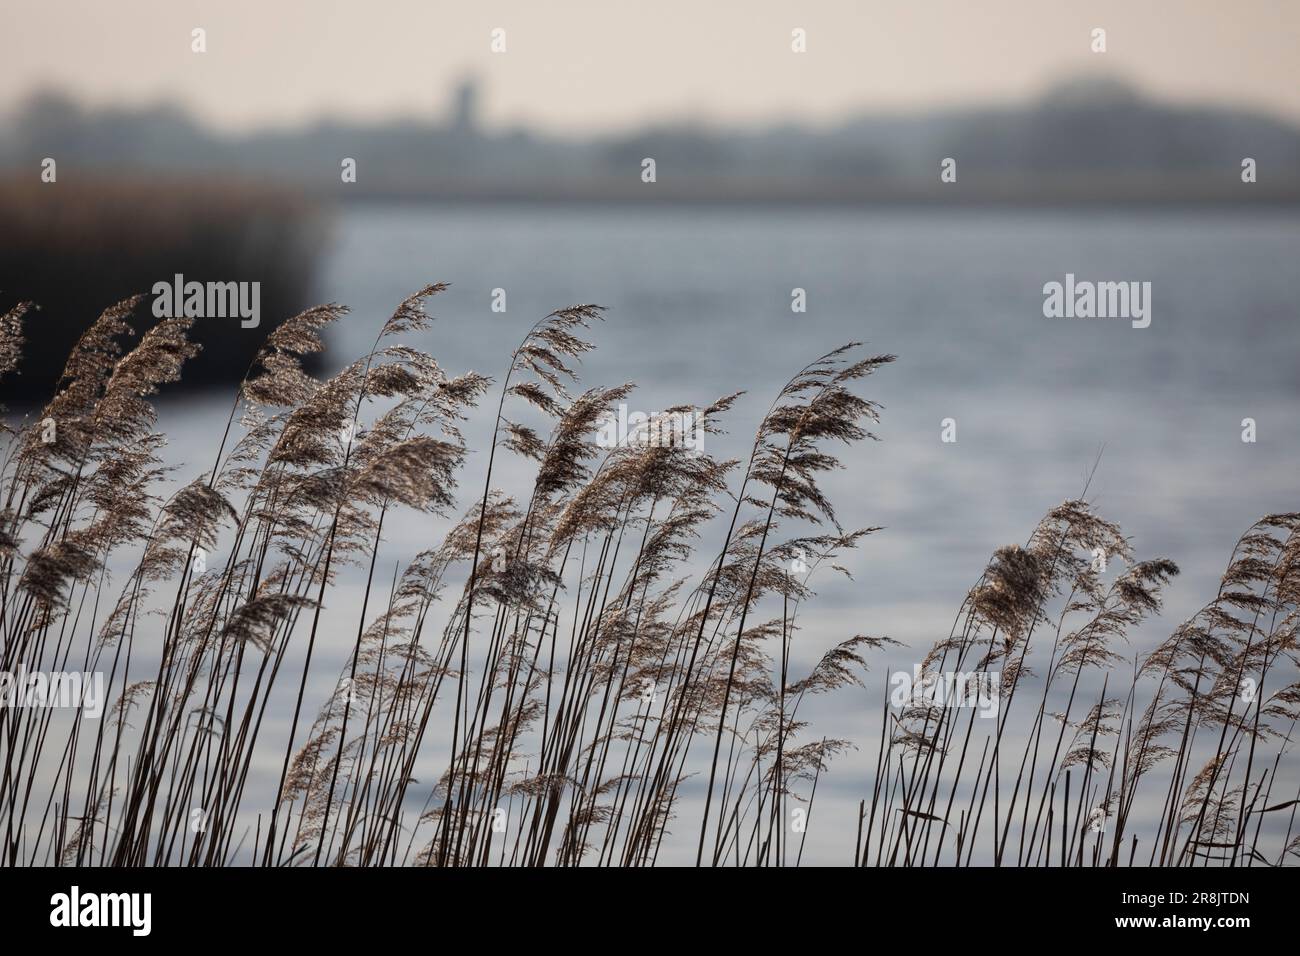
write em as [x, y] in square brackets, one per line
[611, 64]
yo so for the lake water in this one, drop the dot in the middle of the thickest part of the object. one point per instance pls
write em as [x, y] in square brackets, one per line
[700, 305]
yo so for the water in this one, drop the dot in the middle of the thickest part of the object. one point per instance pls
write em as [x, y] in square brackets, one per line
[699, 306]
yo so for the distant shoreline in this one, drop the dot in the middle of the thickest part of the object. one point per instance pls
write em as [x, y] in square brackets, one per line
[724, 192]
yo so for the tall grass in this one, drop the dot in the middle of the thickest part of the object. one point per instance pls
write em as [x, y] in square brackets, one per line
[572, 676]
[1201, 727]
[534, 688]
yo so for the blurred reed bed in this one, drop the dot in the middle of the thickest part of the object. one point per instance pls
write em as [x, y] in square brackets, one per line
[534, 688]
[74, 245]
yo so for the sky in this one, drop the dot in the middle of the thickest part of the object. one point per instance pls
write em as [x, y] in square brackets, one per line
[608, 65]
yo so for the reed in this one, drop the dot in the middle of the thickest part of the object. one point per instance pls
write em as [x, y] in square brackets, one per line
[575, 676]
[1219, 694]
[553, 669]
